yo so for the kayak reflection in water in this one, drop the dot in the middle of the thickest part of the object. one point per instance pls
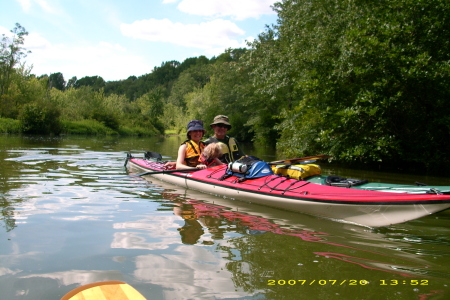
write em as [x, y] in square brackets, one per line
[193, 226]
[218, 220]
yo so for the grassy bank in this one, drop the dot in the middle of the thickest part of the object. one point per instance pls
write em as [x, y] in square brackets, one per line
[84, 127]
[10, 126]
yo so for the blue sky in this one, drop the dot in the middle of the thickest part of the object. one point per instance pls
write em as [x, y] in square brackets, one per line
[119, 38]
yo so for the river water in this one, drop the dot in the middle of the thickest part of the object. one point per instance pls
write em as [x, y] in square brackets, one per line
[61, 226]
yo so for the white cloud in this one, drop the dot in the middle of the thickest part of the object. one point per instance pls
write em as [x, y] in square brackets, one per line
[26, 4]
[52, 7]
[4, 31]
[238, 9]
[110, 61]
[218, 33]
[35, 41]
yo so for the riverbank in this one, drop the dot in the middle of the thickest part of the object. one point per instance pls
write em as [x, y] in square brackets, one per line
[83, 127]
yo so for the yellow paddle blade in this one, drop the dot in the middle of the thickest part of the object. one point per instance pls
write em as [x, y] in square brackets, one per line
[107, 290]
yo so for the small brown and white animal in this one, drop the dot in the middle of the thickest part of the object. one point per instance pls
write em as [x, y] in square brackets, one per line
[210, 155]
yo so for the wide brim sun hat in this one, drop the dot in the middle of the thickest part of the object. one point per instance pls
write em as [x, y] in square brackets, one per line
[195, 125]
[221, 119]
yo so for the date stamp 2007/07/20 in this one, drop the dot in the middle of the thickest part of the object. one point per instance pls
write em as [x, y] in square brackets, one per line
[346, 282]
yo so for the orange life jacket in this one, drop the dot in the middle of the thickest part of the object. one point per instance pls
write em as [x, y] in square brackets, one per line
[193, 152]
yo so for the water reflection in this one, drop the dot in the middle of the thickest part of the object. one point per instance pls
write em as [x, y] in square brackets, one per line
[63, 227]
[159, 228]
[257, 250]
[200, 216]
[79, 277]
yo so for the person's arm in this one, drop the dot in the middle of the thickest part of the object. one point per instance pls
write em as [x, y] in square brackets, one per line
[181, 159]
[181, 156]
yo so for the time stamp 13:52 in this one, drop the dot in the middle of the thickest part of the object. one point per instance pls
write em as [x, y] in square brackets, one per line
[381, 282]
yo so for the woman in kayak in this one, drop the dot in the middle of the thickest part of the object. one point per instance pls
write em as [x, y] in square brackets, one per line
[192, 152]
[191, 149]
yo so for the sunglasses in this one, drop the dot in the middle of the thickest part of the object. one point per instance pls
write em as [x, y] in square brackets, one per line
[222, 126]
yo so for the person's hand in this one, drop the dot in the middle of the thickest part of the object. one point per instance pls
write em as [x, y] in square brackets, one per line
[201, 167]
[170, 165]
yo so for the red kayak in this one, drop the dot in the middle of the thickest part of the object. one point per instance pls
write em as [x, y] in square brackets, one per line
[362, 207]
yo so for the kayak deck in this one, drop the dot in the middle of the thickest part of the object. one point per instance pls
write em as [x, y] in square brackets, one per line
[387, 187]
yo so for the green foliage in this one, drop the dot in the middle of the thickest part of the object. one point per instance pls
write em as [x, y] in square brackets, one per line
[56, 80]
[100, 110]
[232, 94]
[22, 89]
[71, 83]
[200, 103]
[193, 78]
[107, 118]
[87, 127]
[11, 52]
[75, 104]
[94, 127]
[10, 126]
[40, 117]
[151, 106]
[175, 118]
[359, 80]
[95, 82]
[230, 55]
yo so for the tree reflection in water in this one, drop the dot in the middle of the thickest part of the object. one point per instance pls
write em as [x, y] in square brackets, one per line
[253, 260]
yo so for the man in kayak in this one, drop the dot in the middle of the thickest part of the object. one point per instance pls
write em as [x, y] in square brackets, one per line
[230, 147]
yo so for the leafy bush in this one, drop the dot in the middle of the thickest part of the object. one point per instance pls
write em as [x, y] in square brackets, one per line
[8, 125]
[89, 127]
[107, 118]
[40, 117]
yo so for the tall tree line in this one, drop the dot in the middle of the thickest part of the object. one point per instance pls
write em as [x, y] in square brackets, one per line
[360, 80]
[363, 81]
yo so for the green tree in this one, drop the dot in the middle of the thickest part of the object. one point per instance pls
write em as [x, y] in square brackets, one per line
[24, 88]
[95, 82]
[40, 117]
[152, 107]
[56, 80]
[230, 55]
[98, 109]
[76, 104]
[71, 82]
[193, 61]
[361, 80]
[194, 77]
[228, 91]
[11, 52]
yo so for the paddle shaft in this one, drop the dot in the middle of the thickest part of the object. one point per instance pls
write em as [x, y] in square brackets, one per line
[151, 173]
[295, 160]
[300, 160]
[290, 164]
